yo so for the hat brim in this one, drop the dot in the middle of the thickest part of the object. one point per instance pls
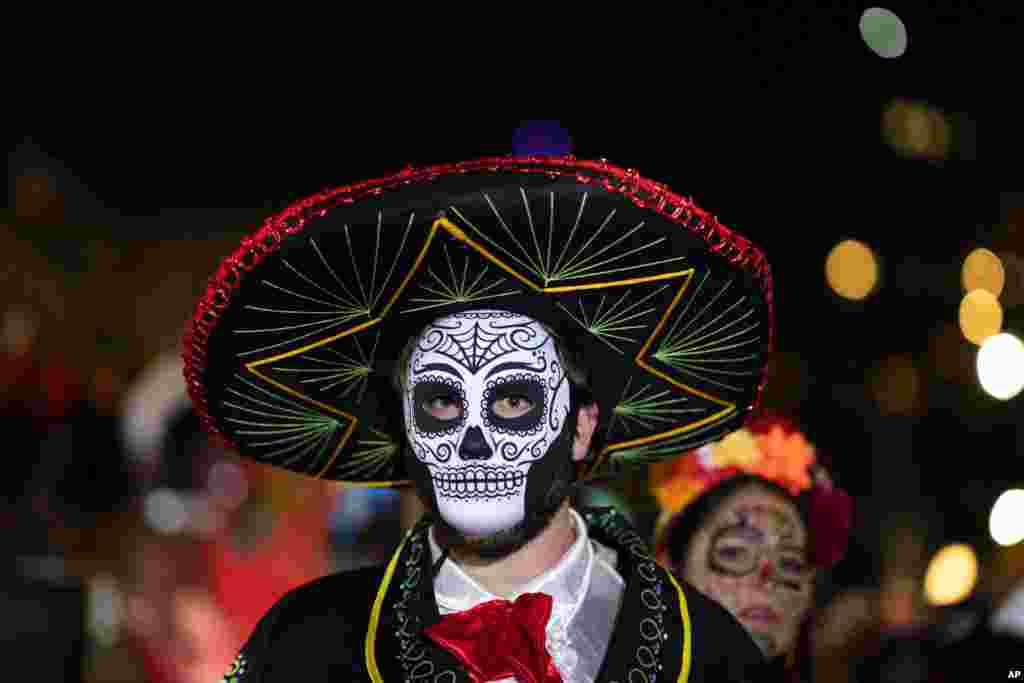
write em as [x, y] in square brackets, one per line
[290, 354]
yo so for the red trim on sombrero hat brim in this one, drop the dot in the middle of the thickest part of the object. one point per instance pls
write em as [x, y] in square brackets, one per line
[645, 193]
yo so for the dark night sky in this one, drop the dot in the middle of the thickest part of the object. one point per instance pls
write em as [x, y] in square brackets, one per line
[769, 120]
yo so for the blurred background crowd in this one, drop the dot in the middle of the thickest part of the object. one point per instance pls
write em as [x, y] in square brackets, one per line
[140, 550]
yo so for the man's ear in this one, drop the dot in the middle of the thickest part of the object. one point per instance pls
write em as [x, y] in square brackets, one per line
[586, 424]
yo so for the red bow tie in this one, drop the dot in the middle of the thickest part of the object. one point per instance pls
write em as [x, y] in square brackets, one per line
[501, 639]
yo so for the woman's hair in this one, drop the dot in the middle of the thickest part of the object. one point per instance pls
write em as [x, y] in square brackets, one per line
[682, 529]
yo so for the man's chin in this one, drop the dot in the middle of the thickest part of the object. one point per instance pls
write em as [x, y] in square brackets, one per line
[495, 546]
[491, 547]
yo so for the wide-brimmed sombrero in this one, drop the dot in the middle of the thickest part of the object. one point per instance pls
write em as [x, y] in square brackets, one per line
[290, 353]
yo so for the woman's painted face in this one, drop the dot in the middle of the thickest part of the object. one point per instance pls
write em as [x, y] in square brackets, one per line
[751, 557]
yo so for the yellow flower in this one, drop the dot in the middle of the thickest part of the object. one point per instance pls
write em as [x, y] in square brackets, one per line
[739, 449]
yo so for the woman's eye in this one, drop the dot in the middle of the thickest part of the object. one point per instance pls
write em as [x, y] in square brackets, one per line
[512, 406]
[732, 553]
[792, 565]
[444, 407]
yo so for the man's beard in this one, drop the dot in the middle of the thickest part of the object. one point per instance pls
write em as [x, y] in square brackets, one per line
[551, 480]
[507, 541]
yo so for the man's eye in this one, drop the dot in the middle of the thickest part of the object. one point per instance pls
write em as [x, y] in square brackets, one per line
[512, 406]
[443, 407]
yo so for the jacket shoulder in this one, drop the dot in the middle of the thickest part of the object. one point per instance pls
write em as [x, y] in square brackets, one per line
[346, 596]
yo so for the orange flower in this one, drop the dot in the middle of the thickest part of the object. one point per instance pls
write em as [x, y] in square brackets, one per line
[776, 455]
[772, 449]
[785, 459]
[675, 483]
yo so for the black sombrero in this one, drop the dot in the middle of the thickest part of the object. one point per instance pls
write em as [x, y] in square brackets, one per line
[290, 352]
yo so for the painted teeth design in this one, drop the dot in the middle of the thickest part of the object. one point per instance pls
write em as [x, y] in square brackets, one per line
[496, 482]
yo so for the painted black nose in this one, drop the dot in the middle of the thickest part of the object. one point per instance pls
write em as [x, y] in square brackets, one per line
[474, 445]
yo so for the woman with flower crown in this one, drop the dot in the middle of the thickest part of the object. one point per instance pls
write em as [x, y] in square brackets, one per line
[751, 521]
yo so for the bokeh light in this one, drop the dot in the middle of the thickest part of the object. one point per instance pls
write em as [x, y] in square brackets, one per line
[106, 610]
[851, 270]
[153, 400]
[952, 575]
[1001, 366]
[227, 483]
[982, 269]
[166, 511]
[206, 517]
[896, 386]
[883, 32]
[916, 130]
[981, 316]
[1006, 521]
[952, 357]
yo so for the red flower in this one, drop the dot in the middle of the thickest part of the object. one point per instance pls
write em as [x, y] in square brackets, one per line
[831, 518]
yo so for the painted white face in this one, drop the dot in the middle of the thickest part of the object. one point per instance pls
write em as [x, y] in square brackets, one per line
[486, 397]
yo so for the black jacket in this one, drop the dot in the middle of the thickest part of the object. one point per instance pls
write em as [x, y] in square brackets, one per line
[345, 626]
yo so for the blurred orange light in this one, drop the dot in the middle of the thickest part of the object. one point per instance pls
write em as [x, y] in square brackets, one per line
[916, 130]
[950, 354]
[982, 269]
[896, 386]
[981, 316]
[851, 270]
[952, 575]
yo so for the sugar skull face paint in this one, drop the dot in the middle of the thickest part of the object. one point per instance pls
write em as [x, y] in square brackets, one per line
[486, 399]
[751, 556]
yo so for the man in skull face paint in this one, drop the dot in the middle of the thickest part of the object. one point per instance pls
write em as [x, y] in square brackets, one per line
[494, 425]
[422, 279]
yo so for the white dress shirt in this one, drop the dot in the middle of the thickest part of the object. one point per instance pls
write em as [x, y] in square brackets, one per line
[586, 592]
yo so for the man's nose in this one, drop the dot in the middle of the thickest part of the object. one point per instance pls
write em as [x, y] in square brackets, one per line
[474, 446]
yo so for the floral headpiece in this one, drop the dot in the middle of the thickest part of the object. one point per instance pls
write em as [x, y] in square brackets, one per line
[773, 449]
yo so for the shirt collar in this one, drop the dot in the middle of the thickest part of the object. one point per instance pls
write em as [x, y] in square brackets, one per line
[566, 582]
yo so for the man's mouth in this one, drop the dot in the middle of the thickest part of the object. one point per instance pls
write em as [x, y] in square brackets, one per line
[477, 481]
